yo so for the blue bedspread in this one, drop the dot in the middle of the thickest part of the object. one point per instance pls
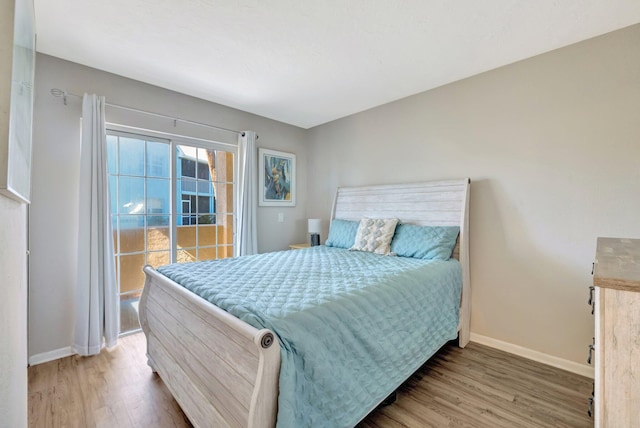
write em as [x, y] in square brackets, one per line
[352, 325]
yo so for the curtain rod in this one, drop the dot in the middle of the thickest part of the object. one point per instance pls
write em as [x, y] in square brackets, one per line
[61, 93]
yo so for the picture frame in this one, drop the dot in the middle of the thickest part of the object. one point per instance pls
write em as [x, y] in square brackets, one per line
[277, 178]
[15, 152]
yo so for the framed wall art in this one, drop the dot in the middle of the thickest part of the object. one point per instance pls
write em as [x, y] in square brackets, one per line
[277, 178]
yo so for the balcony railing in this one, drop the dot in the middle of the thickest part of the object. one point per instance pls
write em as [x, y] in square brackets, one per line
[201, 187]
[213, 241]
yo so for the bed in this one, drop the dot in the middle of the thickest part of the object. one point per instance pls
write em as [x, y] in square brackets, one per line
[225, 371]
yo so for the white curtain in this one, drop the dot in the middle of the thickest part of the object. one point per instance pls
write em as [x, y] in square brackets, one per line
[97, 309]
[247, 201]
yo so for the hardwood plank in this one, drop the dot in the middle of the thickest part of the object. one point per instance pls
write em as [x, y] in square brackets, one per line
[484, 387]
[474, 387]
[113, 389]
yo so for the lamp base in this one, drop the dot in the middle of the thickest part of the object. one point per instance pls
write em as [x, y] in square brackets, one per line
[314, 239]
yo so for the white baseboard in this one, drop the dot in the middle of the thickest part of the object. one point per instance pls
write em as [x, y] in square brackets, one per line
[45, 357]
[561, 363]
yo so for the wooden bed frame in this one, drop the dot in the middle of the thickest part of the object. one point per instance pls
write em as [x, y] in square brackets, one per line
[224, 372]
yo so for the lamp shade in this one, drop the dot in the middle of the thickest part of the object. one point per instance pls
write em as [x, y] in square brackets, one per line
[315, 225]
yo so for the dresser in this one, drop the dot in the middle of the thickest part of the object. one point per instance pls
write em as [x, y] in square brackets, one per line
[616, 300]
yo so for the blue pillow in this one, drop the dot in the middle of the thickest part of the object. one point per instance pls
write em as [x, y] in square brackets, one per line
[424, 242]
[342, 233]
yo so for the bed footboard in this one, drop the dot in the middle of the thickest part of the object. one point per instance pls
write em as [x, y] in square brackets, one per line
[222, 371]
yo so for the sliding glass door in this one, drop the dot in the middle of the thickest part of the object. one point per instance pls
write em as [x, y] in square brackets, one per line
[171, 201]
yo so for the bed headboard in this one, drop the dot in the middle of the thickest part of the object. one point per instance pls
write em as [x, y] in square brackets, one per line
[431, 203]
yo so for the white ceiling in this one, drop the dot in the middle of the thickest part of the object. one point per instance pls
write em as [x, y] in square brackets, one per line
[307, 62]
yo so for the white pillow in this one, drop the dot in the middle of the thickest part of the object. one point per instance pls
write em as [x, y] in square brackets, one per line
[374, 235]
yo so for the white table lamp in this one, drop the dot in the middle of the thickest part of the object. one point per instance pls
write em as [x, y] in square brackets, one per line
[314, 228]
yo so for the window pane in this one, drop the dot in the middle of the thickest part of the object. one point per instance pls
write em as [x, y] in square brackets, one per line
[127, 222]
[207, 253]
[224, 198]
[203, 171]
[186, 185]
[225, 229]
[203, 155]
[129, 320]
[158, 159]
[208, 162]
[206, 209]
[188, 168]
[112, 154]
[225, 251]
[186, 236]
[114, 228]
[205, 187]
[187, 209]
[131, 233]
[159, 258]
[186, 256]
[113, 194]
[158, 191]
[207, 235]
[131, 156]
[131, 195]
[158, 233]
[206, 218]
[205, 204]
[224, 167]
[131, 275]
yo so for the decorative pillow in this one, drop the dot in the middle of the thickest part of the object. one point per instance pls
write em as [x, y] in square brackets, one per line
[424, 242]
[342, 233]
[374, 235]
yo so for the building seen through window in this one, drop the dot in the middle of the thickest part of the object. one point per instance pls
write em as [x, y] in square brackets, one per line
[197, 198]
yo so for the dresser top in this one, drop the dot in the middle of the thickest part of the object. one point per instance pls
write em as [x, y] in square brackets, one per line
[617, 264]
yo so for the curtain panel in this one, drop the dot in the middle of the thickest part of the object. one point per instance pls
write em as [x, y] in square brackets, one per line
[97, 309]
[247, 201]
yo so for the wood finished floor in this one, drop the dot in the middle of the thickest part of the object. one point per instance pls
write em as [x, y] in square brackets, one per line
[472, 387]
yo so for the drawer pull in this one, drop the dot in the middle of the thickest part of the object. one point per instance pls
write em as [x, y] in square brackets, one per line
[591, 400]
[592, 301]
[592, 348]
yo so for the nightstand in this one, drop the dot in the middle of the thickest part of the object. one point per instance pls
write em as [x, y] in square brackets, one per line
[299, 246]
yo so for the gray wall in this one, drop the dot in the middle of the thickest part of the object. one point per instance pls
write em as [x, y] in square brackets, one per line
[55, 179]
[13, 260]
[551, 145]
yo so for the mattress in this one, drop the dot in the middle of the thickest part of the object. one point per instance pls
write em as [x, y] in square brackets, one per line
[352, 325]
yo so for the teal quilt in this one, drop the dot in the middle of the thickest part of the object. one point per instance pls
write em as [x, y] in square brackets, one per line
[352, 325]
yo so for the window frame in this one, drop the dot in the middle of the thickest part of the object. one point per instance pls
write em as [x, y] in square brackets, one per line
[172, 141]
[175, 140]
